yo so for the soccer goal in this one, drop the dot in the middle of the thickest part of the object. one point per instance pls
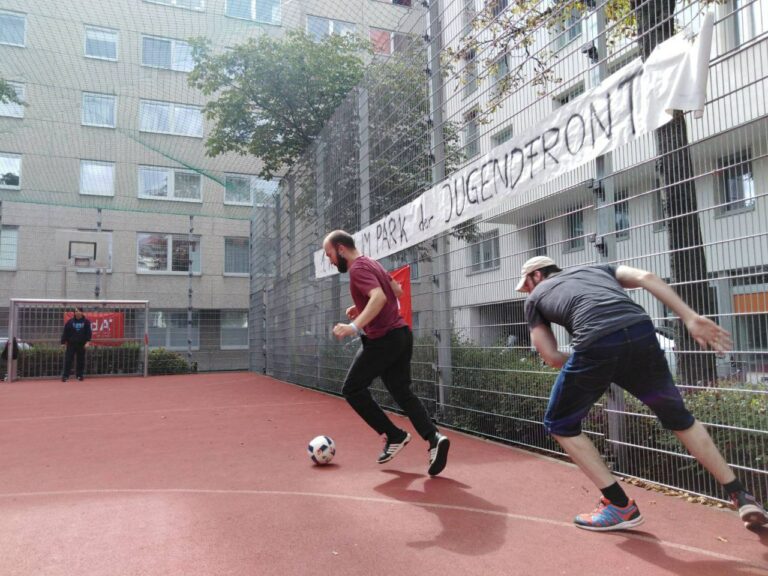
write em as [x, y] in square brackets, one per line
[119, 343]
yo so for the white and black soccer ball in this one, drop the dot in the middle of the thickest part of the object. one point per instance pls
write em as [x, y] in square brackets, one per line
[321, 450]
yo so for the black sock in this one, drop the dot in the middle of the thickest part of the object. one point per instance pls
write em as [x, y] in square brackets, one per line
[397, 437]
[616, 495]
[733, 487]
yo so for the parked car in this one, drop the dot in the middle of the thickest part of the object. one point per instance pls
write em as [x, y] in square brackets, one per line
[21, 344]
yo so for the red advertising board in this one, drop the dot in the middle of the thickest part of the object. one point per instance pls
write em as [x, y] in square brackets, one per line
[108, 328]
[403, 277]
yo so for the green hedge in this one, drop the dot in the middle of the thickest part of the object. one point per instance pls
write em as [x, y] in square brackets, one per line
[46, 361]
[162, 361]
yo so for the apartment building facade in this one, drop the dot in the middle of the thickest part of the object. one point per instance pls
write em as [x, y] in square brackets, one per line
[616, 211]
[111, 139]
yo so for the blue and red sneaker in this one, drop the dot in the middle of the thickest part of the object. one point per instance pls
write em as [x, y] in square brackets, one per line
[608, 516]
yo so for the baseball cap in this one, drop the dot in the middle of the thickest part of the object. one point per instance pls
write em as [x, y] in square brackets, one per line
[531, 265]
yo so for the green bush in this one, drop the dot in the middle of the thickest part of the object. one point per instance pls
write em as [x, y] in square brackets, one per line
[162, 361]
[737, 421]
[46, 361]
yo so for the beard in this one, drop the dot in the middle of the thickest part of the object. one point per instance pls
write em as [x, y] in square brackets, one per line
[341, 263]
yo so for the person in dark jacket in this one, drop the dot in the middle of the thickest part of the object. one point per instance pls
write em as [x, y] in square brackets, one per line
[76, 335]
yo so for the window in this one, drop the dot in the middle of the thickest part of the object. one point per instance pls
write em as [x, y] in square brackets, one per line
[236, 256]
[265, 191]
[166, 53]
[9, 246]
[267, 11]
[169, 184]
[569, 28]
[13, 28]
[568, 96]
[13, 109]
[470, 73]
[400, 2]
[745, 20]
[170, 118]
[234, 329]
[244, 190]
[500, 73]
[621, 213]
[100, 43]
[167, 253]
[539, 239]
[736, 183]
[10, 171]
[574, 231]
[502, 136]
[497, 6]
[407, 257]
[484, 254]
[237, 190]
[98, 110]
[97, 178]
[319, 28]
[190, 4]
[169, 329]
[471, 135]
[386, 42]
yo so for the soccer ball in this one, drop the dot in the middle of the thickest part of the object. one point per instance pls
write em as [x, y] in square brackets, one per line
[321, 450]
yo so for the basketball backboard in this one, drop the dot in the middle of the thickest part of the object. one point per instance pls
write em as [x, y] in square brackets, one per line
[81, 249]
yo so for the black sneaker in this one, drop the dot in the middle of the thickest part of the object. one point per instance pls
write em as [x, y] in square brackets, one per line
[64, 378]
[750, 510]
[80, 378]
[391, 448]
[438, 453]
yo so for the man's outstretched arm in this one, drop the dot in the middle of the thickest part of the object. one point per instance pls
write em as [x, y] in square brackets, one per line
[706, 332]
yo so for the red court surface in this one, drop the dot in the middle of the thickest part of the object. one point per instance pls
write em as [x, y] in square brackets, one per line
[208, 475]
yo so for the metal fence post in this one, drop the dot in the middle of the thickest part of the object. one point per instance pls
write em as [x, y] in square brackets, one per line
[441, 246]
[605, 225]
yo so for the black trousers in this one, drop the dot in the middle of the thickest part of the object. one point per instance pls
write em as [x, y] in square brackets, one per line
[390, 358]
[74, 350]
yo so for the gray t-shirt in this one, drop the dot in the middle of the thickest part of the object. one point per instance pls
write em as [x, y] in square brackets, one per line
[587, 301]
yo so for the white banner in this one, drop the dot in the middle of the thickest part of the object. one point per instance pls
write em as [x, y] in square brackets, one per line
[637, 99]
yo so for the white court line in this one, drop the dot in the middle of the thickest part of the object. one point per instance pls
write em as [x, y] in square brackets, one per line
[158, 411]
[763, 568]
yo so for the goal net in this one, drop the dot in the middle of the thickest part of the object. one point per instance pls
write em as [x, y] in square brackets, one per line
[118, 346]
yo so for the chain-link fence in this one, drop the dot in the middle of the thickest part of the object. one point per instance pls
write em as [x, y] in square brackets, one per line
[686, 201]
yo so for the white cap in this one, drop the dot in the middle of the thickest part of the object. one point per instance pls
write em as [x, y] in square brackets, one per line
[531, 265]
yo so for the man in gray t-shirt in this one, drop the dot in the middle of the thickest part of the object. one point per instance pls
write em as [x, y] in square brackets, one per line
[587, 301]
[613, 340]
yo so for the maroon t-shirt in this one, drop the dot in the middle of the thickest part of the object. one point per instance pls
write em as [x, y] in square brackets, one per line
[366, 274]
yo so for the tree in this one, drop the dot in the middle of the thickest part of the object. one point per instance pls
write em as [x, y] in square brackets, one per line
[273, 95]
[499, 29]
[655, 23]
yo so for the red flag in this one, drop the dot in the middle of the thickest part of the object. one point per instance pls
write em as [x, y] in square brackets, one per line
[403, 277]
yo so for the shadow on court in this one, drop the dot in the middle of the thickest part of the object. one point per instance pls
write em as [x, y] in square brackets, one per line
[472, 537]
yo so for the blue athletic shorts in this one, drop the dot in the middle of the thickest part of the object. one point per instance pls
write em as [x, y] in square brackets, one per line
[631, 358]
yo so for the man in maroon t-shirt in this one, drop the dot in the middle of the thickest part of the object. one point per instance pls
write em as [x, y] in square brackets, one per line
[386, 352]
